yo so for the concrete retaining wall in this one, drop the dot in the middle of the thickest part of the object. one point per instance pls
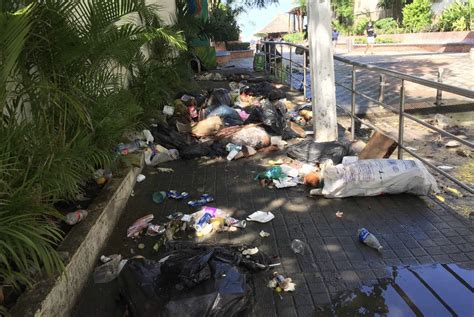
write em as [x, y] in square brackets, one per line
[57, 296]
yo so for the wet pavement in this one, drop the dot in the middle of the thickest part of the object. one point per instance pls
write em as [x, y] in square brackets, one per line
[425, 268]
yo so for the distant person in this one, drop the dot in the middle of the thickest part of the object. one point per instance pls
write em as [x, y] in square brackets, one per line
[370, 32]
[335, 35]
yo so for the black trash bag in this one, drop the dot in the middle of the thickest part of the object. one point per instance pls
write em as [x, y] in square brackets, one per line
[192, 281]
[219, 97]
[218, 149]
[195, 151]
[312, 152]
[229, 115]
[272, 116]
[170, 138]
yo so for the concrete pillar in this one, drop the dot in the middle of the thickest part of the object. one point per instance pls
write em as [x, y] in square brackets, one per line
[322, 71]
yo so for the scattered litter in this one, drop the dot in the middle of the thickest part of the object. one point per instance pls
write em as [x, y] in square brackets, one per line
[274, 172]
[261, 216]
[440, 198]
[277, 162]
[378, 147]
[264, 234]
[369, 239]
[173, 194]
[232, 222]
[158, 197]
[339, 214]
[312, 179]
[453, 143]
[250, 251]
[132, 193]
[140, 178]
[139, 225]
[463, 153]
[105, 259]
[186, 218]
[77, 216]
[154, 230]
[454, 191]
[203, 200]
[165, 170]
[446, 167]
[141, 246]
[279, 283]
[444, 122]
[168, 110]
[175, 216]
[298, 246]
[375, 177]
[411, 148]
[285, 182]
[110, 270]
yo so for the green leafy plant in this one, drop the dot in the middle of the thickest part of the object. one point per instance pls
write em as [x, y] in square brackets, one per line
[456, 17]
[63, 106]
[417, 16]
[237, 46]
[378, 40]
[360, 26]
[386, 26]
[296, 38]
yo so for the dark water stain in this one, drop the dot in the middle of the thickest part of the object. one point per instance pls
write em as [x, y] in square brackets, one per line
[426, 290]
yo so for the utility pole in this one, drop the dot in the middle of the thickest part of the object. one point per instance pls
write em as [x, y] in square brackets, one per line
[322, 71]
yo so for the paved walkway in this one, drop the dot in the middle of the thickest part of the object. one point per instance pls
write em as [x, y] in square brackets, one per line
[413, 231]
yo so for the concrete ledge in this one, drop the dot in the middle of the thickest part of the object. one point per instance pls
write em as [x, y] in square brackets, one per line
[56, 296]
[241, 54]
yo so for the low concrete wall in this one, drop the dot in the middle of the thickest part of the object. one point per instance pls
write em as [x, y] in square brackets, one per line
[426, 38]
[57, 296]
[241, 54]
[434, 48]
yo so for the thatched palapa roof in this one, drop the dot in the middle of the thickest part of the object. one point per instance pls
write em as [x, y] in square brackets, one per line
[279, 24]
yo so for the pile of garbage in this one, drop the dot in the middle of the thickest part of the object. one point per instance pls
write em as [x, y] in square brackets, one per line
[188, 280]
[232, 123]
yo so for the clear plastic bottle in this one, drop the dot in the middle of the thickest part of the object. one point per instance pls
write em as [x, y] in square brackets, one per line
[74, 217]
[369, 239]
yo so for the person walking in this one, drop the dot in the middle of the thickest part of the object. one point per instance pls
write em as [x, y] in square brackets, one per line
[370, 32]
[335, 36]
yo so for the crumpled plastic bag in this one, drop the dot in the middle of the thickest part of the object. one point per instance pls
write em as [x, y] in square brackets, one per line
[219, 97]
[229, 115]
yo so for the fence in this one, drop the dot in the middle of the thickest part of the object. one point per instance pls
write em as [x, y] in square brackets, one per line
[272, 65]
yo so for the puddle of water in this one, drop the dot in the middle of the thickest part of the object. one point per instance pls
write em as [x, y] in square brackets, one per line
[427, 290]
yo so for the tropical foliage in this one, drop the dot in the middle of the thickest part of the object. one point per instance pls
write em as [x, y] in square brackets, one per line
[386, 26]
[417, 16]
[63, 105]
[457, 17]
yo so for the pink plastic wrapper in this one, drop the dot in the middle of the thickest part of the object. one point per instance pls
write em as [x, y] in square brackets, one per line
[139, 225]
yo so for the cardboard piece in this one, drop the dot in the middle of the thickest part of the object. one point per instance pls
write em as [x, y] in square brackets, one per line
[378, 147]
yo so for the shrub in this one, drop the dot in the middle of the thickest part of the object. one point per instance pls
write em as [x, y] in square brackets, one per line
[360, 26]
[378, 40]
[417, 16]
[238, 46]
[386, 26]
[294, 37]
[455, 17]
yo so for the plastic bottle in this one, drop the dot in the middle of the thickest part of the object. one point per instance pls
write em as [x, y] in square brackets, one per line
[201, 222]
[298, 246]
[74, 217]
[369, 239]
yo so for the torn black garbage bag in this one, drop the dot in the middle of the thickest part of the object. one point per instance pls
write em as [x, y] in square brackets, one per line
[312, 152]
[272, 116]
[192, 281]
[219, 97]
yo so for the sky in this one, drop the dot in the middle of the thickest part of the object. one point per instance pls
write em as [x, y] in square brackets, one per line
[255, 19]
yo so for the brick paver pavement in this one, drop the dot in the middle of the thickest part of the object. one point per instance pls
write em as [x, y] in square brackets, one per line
[413, 230]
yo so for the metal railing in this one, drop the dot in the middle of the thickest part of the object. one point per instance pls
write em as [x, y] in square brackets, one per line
[271, 65]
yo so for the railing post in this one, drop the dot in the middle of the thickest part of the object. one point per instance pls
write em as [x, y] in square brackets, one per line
[401, 121]
[291, 69]
[439, 93]
[382, 87]
[265, 51]
[304, 74]
[274, 60]
[281, 63]
[353, 102]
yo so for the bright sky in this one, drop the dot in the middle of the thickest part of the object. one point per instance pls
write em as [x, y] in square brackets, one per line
[255, 19]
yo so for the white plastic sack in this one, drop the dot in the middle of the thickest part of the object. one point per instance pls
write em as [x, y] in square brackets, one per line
[378, 176]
